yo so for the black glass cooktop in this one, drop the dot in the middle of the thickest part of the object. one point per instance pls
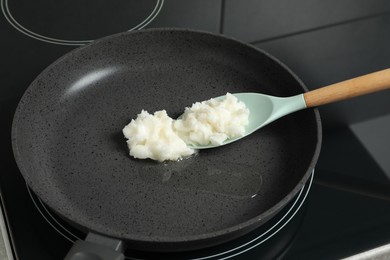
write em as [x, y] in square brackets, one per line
[337, 214]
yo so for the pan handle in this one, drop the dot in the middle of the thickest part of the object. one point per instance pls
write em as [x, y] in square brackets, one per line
[96, 247]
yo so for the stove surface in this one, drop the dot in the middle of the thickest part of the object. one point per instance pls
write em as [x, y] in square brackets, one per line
[343, 211]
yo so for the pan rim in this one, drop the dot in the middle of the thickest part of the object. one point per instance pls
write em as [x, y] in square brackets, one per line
[251, 223]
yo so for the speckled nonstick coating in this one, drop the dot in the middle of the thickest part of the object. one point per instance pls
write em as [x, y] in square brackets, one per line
[68, 143]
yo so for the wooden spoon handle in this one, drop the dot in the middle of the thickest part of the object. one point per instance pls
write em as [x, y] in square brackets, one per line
[362, 85]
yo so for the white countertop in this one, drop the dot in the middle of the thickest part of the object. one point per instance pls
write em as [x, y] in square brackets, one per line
[5, 246]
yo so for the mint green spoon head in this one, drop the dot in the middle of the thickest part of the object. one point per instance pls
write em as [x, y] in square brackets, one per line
[263, 109]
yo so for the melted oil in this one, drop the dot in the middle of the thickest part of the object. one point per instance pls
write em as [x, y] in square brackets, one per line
[229, 179]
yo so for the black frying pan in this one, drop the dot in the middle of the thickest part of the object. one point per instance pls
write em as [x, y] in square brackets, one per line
[69, 147]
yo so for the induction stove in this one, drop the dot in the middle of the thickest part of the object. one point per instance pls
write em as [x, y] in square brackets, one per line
[342, 211]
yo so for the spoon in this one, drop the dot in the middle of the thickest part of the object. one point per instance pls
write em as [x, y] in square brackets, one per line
[265, 109]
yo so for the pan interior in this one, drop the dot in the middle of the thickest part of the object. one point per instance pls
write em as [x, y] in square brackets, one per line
[69, 146]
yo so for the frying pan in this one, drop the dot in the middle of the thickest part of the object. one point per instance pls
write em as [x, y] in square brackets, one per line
[68, 144]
